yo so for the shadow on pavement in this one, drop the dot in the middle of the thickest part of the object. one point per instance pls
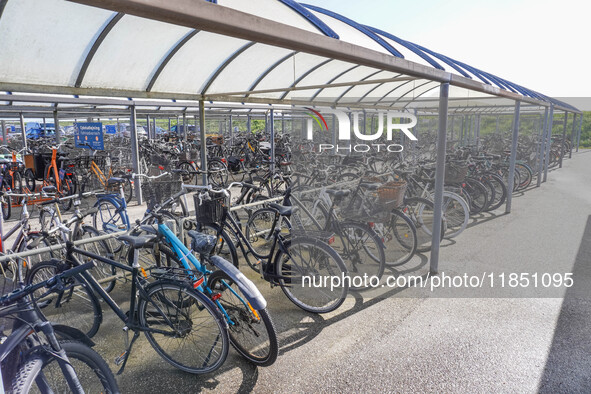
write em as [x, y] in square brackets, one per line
[568, 366]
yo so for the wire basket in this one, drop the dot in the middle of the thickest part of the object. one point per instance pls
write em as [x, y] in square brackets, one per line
[391, 194]
[155, 192]
[209, 211]
[455, 173]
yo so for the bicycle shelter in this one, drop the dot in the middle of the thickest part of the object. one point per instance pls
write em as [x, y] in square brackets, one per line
[236, 59]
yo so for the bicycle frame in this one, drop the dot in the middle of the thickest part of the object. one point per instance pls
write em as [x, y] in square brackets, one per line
[53, 166]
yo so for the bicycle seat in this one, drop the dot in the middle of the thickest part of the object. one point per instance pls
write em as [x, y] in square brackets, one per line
[49, 189]
[283, 210]
[202, 243]
[137, 242]
[114, 181]
[339, 193]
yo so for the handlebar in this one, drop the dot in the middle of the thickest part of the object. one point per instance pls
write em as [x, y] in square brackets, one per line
[30, 289]
[150, 177]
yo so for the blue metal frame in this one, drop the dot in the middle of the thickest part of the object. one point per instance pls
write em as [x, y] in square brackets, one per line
[310, 17]
[357, 26]
[444, 59]
[120, 208]
[408, 45]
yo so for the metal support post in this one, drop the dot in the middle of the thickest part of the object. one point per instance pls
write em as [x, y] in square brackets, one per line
[513, 157]
[563, 144]
[23, 131]
[148, 126]
[542, 149]
[185, 128]
[548, 142]
[272, 138]
[579, 133]
[4, 136]
[572, 136]
[203, 141]
[135, 154]
[58, 133]
[439, 176]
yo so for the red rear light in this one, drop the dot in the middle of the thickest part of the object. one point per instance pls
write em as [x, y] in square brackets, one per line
[161, 168]
[198, 283]
[223, 160]
[129, 170]
[69, 174]
[241, 159]
[331, 240]
[371, 224]
[216, 297]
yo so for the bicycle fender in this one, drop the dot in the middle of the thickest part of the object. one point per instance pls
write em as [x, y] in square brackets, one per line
[250, 291]
[66, 332]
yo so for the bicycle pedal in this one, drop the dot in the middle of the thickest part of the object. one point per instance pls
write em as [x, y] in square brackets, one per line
[121, 358]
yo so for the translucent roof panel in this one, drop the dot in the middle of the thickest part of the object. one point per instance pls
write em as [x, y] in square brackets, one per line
[354, 75]
[38, 47]
[243, 71]
[270, 9]
[288, 72]
[192, 66]
[136, 44]
[384, 89]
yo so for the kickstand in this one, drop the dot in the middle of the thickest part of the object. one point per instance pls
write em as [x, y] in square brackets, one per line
[122, 359]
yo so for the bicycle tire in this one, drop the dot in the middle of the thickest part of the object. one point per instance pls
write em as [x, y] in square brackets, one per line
[307, 298]
[501, 192]
[456, 212]
[78, 305]
[353, 240]
[92, 371]
[107, 218]
[6, 201]
[421, 212]
[30, 181]
[252, 333]
[259, 231]
[102, 248]
[150, 317]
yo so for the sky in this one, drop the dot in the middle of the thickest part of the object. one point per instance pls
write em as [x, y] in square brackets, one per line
[539, 44]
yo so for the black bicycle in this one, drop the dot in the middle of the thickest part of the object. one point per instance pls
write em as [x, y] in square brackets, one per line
[40, 357]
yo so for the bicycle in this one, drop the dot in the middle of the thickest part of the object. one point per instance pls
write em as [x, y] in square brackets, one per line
[96, 179]
[288, 262]
[48, 364]
[171, 313]
[251, 329]
[55, 176]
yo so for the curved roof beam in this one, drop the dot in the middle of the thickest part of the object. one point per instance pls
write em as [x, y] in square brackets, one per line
[271, 68]
[304, 75]
[444, 59]
[357, 26]
[334, 79]
[392, 91]
[370, 90]
[310, 17]
[169, 56]
[223, 66]
[408, 45]
[411, 90]
[353, 85]
[425, 92]
[96, 45]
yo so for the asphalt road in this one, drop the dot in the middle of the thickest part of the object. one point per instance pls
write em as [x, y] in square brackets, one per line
[515, 340]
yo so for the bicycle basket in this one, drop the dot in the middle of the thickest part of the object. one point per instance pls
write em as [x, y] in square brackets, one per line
[455, 173]
[209, 211]
[157, 191]
[391, 194]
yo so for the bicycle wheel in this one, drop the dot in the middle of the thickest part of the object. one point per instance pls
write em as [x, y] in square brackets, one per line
[188, 176]
[6, 201]
[30, 181]
[362, 252]
[107, 218]
[456, 213]
[252, 332]
[92, 184]
[102, 271]
[260, 229]
[218, 173]
[127, 186]
[184, 327]
[500, 192]
[75, 306]
[311, 260]
[526, 175]
[92, 371]
[399, 235]
[421, 212]
[478, 195]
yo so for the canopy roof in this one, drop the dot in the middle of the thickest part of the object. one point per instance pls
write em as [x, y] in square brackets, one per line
[263, 51]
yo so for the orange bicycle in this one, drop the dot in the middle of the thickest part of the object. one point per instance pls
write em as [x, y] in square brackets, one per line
[56, 176]
[97, 180]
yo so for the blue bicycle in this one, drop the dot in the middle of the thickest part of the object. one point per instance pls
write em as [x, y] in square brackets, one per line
[251, 329]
